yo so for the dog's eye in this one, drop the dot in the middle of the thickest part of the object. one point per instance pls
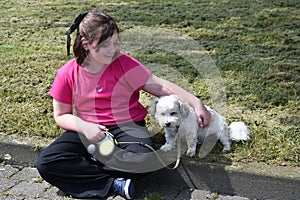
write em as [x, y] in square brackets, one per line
[173, 113]
[163, 114]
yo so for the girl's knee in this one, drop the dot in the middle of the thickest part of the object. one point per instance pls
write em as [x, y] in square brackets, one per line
[41, 166]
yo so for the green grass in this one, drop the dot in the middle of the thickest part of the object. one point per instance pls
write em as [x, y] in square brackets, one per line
[255, 45]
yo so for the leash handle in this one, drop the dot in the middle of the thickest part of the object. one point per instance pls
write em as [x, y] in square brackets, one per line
[107, 145]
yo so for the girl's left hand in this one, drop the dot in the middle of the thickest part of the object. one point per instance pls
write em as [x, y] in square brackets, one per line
[204, 116]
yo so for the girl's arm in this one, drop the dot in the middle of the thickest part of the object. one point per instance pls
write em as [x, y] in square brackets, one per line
[160, 87]
[65, 119]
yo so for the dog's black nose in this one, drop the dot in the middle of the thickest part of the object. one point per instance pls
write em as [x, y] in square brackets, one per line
[167, 124]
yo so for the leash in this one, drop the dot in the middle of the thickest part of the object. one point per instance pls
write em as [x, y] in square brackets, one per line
[107, 145]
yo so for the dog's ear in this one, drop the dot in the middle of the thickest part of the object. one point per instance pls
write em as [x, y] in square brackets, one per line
[184, 109]
[153, 107]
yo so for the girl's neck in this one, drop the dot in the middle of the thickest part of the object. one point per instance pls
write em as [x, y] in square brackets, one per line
[93, 68]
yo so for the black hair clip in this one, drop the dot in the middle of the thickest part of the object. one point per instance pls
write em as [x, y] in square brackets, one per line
[74, 27]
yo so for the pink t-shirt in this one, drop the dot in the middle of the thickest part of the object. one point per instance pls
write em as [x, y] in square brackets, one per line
[108, 97]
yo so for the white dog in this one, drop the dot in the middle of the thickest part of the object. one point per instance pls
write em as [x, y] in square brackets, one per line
[177, 117]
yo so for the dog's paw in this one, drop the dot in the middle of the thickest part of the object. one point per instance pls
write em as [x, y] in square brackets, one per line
[190, 153]
[166, 147]
[226, 149]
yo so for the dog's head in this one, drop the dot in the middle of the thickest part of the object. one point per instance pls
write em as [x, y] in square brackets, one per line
[169, 111]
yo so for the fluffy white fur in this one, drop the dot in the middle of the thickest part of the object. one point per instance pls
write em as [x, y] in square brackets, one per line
[177, 117]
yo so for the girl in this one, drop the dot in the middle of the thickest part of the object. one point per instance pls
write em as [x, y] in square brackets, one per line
[95, 92]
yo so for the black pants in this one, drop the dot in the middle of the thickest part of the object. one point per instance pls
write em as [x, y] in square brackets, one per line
[67, 165]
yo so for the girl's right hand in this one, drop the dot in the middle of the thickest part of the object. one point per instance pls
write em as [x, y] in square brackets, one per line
[64, 118]
[94, 132]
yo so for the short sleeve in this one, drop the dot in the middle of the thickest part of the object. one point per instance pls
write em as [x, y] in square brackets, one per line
[136, 74]
[61, 89]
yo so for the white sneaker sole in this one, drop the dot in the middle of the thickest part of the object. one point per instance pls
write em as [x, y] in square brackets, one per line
[126, 188]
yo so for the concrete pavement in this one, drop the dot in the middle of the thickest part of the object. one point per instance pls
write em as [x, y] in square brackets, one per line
[191, 180]
[19, 182]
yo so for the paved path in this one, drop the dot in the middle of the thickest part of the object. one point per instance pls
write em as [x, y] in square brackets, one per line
[191, 180]
[17, 182]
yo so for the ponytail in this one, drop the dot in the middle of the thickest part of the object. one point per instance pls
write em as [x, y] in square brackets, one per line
[75, 26]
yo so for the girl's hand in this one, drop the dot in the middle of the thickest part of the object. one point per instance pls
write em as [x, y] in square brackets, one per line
[204, 116]
[94, 132]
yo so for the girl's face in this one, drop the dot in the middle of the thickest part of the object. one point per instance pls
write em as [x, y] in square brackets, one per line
[102, 54]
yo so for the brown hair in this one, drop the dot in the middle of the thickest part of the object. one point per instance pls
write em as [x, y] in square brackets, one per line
[89, 28]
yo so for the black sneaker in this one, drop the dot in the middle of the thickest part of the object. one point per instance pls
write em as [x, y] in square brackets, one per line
[124, 187]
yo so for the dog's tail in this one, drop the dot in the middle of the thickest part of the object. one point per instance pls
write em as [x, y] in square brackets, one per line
[239, 131]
